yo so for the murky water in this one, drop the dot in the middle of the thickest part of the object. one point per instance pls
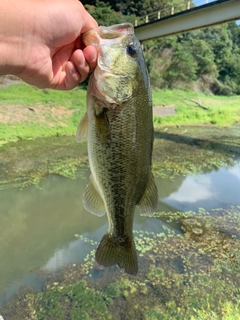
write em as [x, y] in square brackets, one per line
[39, 223]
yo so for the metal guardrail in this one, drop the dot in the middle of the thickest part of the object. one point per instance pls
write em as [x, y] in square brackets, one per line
[168, 11]
[199, 16]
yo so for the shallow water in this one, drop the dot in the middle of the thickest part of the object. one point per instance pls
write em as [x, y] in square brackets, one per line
[39, 223]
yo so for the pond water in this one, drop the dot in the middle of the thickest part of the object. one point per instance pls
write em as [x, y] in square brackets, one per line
[44, 227]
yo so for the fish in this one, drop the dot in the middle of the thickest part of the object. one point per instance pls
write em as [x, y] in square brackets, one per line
[119, 129]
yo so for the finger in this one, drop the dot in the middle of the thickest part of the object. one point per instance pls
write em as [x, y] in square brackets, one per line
[91, 55]
[72, 77]
[66, 79]
[80, 63]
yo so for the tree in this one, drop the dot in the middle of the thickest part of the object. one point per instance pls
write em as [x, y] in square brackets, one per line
[104, 14]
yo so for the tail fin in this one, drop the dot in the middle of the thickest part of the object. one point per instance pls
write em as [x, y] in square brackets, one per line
[110, 253]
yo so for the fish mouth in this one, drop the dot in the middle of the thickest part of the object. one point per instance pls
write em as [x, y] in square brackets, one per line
[97, 36]
[115, 32]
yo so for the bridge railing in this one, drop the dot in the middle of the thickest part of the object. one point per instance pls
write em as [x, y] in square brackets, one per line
[168, 11]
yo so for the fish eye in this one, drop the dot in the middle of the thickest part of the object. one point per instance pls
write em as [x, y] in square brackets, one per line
[131, 49]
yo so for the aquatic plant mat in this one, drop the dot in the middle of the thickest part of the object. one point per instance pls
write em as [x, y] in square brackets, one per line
[28, 162]
[189, 274]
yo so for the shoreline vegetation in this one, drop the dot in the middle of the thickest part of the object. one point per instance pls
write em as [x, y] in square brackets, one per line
[28, 113]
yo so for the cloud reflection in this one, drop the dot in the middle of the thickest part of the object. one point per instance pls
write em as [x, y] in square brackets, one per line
[235, 171]
[193, 189]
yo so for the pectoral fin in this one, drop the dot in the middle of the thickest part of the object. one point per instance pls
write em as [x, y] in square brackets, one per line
[82, 130]
[148, 202]
[92, 200]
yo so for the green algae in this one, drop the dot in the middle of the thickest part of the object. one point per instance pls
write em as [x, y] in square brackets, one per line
[76, 301]
[25, 163]
[181, 276]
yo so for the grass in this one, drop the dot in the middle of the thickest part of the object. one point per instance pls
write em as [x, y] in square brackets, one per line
[24, 94]
[29, 131]
[222, 110]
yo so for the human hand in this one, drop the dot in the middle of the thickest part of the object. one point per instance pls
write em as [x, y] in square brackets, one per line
[50, 53]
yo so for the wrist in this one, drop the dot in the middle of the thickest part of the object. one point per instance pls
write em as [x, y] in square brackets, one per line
[10, 60]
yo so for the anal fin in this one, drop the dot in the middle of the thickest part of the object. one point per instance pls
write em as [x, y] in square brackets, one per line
[148, 202]
[92, 200]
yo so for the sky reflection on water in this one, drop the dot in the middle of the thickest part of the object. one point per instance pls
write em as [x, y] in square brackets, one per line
[212, 190]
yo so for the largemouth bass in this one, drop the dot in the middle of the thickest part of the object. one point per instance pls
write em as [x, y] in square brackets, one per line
[119, 129]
